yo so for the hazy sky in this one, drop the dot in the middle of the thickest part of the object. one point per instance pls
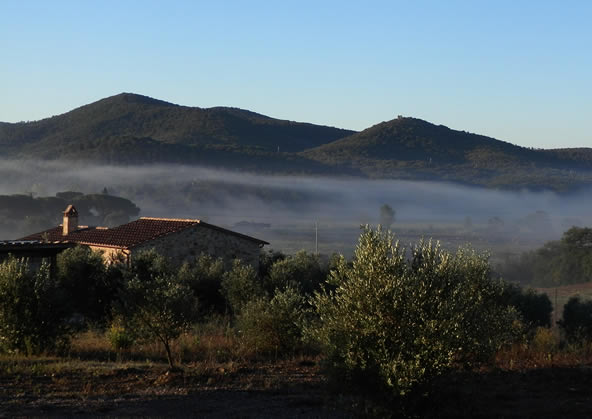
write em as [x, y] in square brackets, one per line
[520, 71]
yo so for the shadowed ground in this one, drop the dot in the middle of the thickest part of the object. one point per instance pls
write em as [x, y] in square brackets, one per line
[285, 389]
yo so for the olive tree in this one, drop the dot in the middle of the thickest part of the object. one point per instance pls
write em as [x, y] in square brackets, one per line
[155, 303]
[273, 325]
[301, 270]
[395, 322]
[240, 285]
[204, 277]
[83, 275]
[34, 309]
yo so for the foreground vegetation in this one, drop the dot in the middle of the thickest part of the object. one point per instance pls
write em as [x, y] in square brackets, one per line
[386, 329]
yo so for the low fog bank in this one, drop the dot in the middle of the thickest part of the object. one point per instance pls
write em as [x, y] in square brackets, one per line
[269, 206]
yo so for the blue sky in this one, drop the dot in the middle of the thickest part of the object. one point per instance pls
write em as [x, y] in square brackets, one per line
[520, 71]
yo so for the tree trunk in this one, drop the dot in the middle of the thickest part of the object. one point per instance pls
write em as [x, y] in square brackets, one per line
[169, 356]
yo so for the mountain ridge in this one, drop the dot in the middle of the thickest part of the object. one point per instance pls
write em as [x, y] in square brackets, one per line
[130, 128]
[143, 117]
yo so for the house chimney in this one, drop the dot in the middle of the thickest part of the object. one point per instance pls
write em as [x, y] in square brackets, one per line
[70, 220]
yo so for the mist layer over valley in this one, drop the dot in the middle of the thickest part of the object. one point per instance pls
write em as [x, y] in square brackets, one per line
[284, 209]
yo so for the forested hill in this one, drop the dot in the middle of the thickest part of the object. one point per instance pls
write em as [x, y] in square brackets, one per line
[412, 148]
[142, 122]
[130, 128]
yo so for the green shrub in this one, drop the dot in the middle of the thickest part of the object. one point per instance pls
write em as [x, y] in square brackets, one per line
[34, 309]
[577, 320]
[120, 337]
[544, 341]
[394, 323]
[535, 308]
[273, 326]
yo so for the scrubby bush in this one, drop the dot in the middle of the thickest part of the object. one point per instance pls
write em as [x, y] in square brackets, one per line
[544, 341]
[240, 285]
[120, 337]
[273, 326]
[394, 323]
[204, 277]
[577, 320]
[34, 309]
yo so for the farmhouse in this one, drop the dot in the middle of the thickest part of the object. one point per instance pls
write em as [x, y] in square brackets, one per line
[177, 239]
[35, 251]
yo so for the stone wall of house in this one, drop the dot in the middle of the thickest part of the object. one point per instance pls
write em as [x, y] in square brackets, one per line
[111, 254]
[189, 243]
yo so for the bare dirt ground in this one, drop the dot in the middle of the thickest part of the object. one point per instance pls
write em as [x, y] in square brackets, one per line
[555, 392]
[285, 390]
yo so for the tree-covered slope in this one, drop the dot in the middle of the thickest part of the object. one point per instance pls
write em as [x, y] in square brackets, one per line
[126, 115]
[129, 128]
[411, 139]
[411, 148]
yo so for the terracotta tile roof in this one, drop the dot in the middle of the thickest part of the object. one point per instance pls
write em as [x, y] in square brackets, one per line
[10, 245]
[130, 234]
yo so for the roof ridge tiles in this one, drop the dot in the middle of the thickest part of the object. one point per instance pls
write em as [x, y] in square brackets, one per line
[187, 220]
[131, 234]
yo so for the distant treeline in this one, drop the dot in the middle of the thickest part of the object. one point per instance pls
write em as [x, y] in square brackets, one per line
[561, 262]
[25, 214]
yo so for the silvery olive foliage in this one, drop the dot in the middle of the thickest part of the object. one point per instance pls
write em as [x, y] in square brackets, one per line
[273, 325]
[240, 285]
[301, 270]
[396, 322]
[34, 310]
[155, 303]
